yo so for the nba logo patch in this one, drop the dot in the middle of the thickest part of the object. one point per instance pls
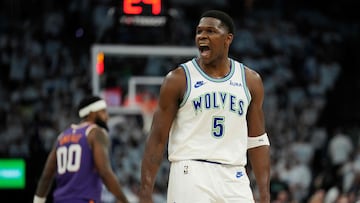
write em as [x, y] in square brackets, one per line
[239, 174]
[186, 169]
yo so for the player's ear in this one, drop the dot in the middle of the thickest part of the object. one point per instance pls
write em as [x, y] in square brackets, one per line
[229, 38]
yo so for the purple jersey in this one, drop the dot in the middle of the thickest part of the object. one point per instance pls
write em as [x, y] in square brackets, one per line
[76, 176]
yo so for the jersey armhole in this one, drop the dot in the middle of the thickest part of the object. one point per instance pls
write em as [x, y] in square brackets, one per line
[246, 89]
[91, 126]
[188, 84]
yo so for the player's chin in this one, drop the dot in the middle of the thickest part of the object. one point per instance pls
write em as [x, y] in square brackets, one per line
[205, 59]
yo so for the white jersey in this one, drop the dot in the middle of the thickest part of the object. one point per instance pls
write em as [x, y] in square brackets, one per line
[211, 121]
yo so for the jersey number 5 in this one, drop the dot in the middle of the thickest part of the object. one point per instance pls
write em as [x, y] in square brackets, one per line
[68, 158]
[218, 127]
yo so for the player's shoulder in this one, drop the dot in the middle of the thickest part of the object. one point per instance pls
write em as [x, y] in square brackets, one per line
[253, 80]
[176, 75]
[94, 128]
[252, 74]
[249, 72]
[96, 131]
[179, 70]
[174, 84]
[97, 134]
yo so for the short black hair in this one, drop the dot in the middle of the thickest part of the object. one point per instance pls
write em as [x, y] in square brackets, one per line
[87, 101]
[223, 17]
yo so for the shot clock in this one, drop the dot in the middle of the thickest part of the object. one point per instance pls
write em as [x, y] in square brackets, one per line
[138, 7]
[143, 13]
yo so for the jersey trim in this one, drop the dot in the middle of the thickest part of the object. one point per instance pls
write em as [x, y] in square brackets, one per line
[188, 84]
[227, 77]
[92, 126]
[247, 92]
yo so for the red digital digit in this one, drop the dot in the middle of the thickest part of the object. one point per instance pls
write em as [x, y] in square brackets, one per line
[156, 6]
[130, 8]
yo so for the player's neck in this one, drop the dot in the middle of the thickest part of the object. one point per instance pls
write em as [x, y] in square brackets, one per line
[216, 69]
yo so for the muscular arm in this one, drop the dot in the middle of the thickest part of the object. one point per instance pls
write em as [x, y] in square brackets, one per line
[259, 156]
[47, 175]
[99, 143]
[170, 93]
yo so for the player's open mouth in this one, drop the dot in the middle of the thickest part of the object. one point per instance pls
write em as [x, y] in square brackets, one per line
[204, 50]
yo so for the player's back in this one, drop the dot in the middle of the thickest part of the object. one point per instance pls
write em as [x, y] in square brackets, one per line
[76, 176]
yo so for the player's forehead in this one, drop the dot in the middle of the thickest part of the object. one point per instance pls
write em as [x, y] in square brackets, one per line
[207, 22]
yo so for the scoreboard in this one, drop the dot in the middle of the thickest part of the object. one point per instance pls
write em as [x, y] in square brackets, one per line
[151, 13]
[139, 7]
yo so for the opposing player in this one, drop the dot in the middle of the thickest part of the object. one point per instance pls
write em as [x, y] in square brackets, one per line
[79, 160]
[210, 114]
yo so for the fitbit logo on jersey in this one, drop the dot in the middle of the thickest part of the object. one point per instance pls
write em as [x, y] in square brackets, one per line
[218, 100]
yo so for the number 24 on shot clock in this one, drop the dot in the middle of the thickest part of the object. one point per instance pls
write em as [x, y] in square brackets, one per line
[139, 7]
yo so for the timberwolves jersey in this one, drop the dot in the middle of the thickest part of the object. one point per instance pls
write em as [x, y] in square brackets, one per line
[76, 176]
[211, 120]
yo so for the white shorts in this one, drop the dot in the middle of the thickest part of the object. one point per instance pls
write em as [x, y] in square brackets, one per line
[204, 182]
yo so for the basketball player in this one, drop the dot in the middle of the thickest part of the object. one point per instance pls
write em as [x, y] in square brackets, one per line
[79, 160]
[210, 114]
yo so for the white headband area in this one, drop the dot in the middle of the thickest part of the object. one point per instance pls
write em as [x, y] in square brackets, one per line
[96, 106]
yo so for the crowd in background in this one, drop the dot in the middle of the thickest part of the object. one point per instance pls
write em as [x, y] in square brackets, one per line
[45, 71]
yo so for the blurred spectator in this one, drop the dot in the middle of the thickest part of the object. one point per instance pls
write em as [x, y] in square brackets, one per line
[340, 149]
